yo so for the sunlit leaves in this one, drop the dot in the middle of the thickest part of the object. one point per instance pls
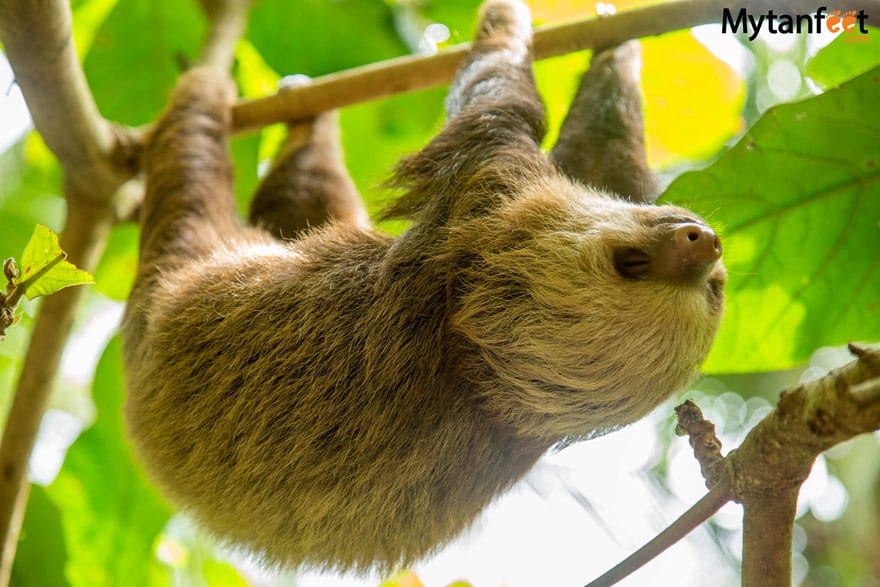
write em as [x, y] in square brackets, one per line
[41, 552]
[798, 200]
[88, 16]
[557, 80]
[693, 101]
[843, 59]
[44, 268]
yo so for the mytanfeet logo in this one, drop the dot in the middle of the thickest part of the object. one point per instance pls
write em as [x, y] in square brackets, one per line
[852, 23]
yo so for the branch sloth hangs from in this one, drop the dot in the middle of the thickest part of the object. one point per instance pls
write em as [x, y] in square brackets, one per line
[324, 395]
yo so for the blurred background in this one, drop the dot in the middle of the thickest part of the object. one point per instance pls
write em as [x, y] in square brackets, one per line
[754, 135]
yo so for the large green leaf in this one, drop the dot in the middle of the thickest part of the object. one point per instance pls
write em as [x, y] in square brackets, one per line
[114, 275]
[136, 56]
[110, 514]
[41, 553]
[316, 37]
[798, 201]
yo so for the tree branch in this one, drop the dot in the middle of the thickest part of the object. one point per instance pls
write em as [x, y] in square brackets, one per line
[681, 527]
[228, 21]
[37, 39]
[415, 72]
[765, 473]
[767, 470]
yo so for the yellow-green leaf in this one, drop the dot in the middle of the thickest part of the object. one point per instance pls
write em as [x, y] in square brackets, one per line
[44, 269]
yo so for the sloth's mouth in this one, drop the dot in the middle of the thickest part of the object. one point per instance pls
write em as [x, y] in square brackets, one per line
[715, 293]
[716, 286]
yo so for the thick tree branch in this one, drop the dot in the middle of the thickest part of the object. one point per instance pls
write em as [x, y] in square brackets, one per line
[767, 470]
[416, 72]
[37, 39]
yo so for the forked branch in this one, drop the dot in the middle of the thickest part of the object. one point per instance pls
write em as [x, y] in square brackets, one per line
[765, 473]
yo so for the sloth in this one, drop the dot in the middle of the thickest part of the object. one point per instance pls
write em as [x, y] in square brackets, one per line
[323, 395]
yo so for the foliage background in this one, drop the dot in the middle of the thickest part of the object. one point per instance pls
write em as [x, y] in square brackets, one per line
[796, 196]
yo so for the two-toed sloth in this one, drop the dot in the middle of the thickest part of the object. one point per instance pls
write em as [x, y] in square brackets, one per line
[325, 395]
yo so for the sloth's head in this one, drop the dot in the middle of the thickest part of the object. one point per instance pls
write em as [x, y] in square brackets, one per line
[589, 309]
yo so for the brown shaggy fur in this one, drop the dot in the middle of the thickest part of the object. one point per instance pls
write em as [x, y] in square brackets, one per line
[351, 401]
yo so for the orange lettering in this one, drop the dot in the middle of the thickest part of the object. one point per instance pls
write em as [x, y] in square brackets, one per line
[833, 23]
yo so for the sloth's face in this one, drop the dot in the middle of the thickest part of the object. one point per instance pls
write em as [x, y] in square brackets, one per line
[674, 246]
[593, 309]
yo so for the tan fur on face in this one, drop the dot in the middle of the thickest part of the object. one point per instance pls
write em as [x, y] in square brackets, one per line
[578, 347]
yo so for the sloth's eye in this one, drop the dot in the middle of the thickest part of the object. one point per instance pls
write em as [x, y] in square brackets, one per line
[632, 263]
[673, 219]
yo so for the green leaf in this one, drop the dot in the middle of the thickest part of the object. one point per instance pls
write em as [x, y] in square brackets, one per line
[842, 60]
[41, 553]
[798, 203]
[137, 54]
[111, 515]
[115, 272]
[316, 37]
[221, 574]
[44, 262]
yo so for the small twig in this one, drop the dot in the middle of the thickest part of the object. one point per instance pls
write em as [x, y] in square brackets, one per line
[687, 522]
[707, 449]
[701, 434]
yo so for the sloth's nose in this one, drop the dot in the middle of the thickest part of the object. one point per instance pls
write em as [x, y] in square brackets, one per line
[688, 253]
[696, 243]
